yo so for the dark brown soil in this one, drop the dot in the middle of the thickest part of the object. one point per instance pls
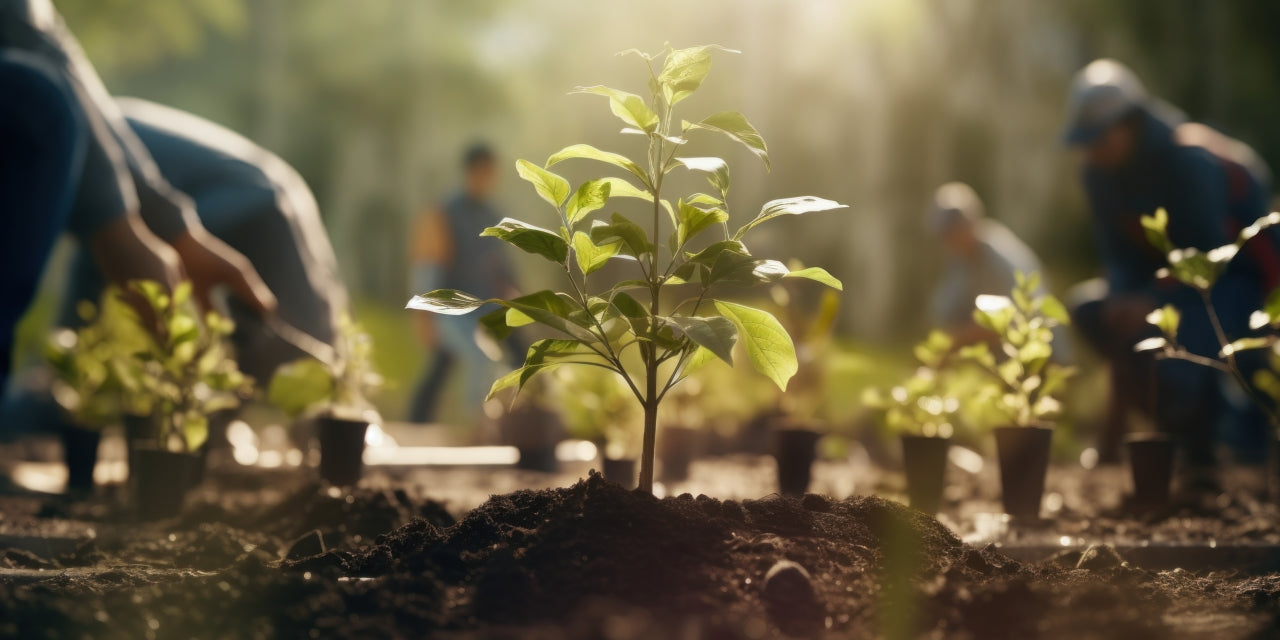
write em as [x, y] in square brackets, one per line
[596, 561]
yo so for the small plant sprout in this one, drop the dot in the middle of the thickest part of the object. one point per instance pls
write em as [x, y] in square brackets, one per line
[86, 361]
[341, 388]
[923, 404]
[184, 373]
[1022, 377]
[654, 329]
[1201, 271]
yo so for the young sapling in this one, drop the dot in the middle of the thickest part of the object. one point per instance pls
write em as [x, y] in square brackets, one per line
[631, 326]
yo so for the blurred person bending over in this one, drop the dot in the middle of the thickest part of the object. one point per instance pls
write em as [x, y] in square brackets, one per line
[982, 257]
[1138, 156]
[68, 161]
[447, 252]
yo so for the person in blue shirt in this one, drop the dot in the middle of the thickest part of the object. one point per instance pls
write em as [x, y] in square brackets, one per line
[448, 252]
[1134, 162]
[69, 162]
[982, 257]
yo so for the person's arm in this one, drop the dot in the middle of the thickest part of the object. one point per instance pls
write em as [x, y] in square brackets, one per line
[430, 253]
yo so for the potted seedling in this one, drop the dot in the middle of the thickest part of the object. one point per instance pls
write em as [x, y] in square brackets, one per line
[658, 327]
[85, 386]
[534, 428]
[682, 436]
[1152, 459]
[335, 395]
[598, 406]
[795, 420]
[180, 376]
[923, 411]
[1022, 383]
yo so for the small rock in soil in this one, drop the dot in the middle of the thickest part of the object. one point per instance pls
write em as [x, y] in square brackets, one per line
[1099, 558]
[790, 599]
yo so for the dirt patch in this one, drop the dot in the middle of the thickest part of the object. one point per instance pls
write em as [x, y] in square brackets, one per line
[596, 561]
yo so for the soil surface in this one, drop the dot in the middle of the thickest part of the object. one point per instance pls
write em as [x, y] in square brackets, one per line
[261, 554]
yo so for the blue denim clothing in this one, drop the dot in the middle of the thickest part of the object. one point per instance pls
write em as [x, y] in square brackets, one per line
[41, 155]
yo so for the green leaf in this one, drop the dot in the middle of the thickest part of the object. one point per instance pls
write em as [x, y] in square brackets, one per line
[767, 344]
[553, 188]
[619, 188]
[449, 302]
[1247, 344]
[690, 221]
[620, 228]
[588, 152]
[817, 274]
[1166, 319]
[542, 350]
[531, 239]
[1151, 344]
[635, 313]
[591, 196]
[1269, 314]
[684, 70]
[548, 308]
[736, 126]
[628, 107]
[518, 378]
[701, 357]
[1053, 309]
[195, 430]
[1156, 228]
[590, 255]
[300, 385]
[719, 335]
[717, 171]
[788, 207]
[495, 323]
[1261, 224]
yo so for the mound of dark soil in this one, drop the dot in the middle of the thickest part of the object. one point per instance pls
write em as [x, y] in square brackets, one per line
[597, 561]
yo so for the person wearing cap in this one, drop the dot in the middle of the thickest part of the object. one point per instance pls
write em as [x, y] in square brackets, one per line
[1134, 162]
[982, 257]
[447, 252]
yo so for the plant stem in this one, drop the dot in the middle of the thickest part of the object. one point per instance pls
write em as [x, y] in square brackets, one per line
[1262, 403]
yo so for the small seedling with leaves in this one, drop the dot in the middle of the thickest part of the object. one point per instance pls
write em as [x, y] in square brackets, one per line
[182, 372]
[1201, 270]
[1023, 379]
[340, 388]
[923, 404]
[86, 361]
[629, 326]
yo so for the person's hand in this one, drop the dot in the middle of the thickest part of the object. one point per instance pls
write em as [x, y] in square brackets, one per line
[125, 250]
[1127, 314]
[210, 262]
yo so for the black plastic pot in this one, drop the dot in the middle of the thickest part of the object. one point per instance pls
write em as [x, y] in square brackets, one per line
[925, 460]
[1151, 461]
[1273, 466]
[677, 447]
[1024, 460]
[795, 451]
[341, 449]
[80, 453]
[620, 471]
[160, 479]
[535, 431]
